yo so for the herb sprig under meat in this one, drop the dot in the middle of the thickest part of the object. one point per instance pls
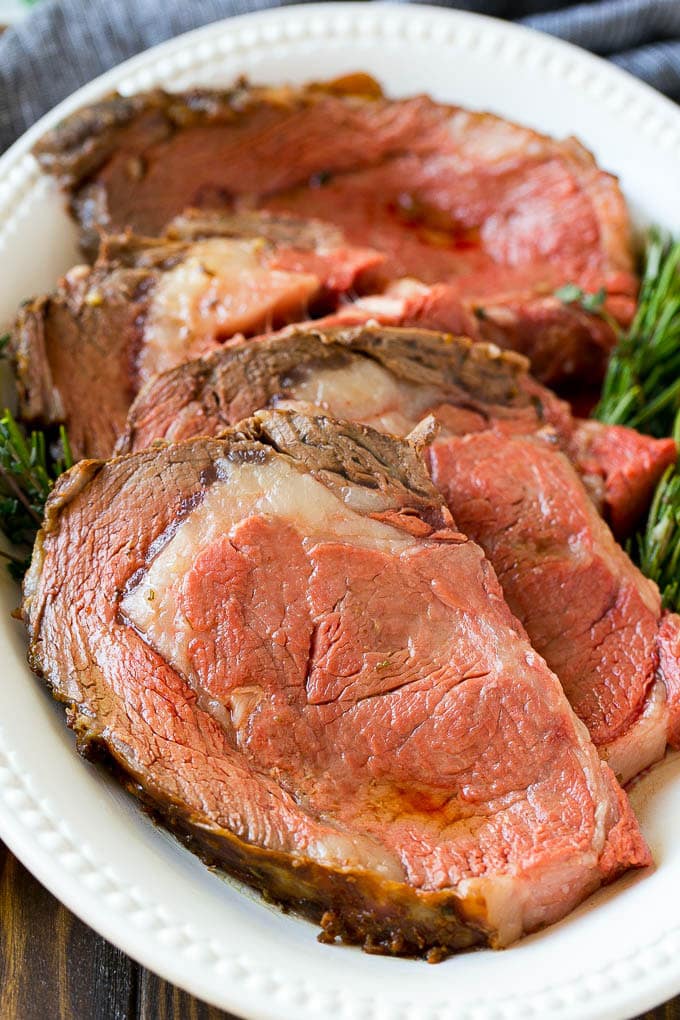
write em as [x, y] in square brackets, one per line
[656, 547]
[642, 384]
[28, 471]
[642, 390]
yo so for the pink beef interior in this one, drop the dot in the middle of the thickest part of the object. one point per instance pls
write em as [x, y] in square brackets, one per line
[587, 609]
[503, 469]
[493, 216]
[254, 667]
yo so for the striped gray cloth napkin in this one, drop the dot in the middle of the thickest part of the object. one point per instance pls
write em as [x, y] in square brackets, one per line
[65, 43]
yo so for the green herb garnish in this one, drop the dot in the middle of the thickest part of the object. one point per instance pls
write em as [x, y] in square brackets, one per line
[642, 390]
[656, 547]
[28, 471]
[570, 294]
[642, 384]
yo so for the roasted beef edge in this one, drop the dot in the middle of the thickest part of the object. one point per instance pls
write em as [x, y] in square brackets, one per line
[78, 146]
[422, 357]
[351, 906]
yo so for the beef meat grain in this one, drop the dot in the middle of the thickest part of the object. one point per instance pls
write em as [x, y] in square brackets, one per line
[588, 610]
[83, 352]
[501, 461]
[225, 619]
[492, 217]
[393, 377]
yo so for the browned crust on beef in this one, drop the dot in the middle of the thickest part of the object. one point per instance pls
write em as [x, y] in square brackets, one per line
[139, 252]
[333, 451]
[233, 381]
[351, 906]
[426, 357]
[105, 306]
[74, 351]
[39, 399]
[77, 147]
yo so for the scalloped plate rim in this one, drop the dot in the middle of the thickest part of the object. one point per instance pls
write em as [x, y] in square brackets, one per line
[15, 831]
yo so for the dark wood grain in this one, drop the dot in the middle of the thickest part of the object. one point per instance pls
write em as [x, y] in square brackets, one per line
[53, 967]
[159, 1000]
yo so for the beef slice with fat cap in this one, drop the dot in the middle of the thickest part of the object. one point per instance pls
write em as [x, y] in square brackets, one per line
[290, 654]
[501, 462]
[82, 353]
[494, 215]
[619, 466]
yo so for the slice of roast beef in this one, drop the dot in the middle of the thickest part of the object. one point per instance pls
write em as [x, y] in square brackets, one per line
[501, 215]
[619, 466]
[561, 340]
[587, 609]
[288, 652]
[628, 465]
[500, 462]
[82, 353]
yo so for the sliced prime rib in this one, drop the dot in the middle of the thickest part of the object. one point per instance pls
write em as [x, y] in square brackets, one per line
[588, 610]
[500, 461]
[83, 352]
[235, 640]
[495, 214]
[619, 466]
[564, 343]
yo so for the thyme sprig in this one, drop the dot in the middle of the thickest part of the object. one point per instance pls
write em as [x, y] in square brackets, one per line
[28, 471]
[592, 302]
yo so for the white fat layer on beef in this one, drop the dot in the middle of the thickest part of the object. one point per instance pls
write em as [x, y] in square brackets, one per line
[393, 303]
[274, 488]
[221, 287]
[355, 851]
[482, 139]
[644, 742]
[366, 392]
[514, 907]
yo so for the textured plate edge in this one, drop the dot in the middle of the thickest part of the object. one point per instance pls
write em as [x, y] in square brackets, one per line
[641, 105]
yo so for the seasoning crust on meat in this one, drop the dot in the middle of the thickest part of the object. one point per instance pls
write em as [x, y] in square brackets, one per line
[490, 218]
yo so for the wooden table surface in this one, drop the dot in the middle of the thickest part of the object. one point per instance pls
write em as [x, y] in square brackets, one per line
[53, 967]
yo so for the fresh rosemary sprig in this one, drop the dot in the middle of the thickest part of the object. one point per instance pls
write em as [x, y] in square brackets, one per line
[642, 384]
[656, 547]
[27, 474]
[642, 390]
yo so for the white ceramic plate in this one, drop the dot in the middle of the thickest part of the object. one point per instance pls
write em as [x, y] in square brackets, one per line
[89, 843]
